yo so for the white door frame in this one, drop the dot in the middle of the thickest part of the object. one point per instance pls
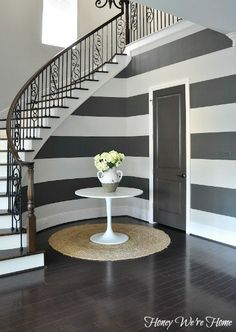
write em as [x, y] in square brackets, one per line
[184, 81]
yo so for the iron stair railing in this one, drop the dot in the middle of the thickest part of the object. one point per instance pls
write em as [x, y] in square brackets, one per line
[52, 84]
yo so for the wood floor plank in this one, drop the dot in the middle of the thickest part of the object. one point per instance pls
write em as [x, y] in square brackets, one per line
[193, 277]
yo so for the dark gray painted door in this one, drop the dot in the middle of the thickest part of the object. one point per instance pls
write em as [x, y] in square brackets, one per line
[170, 157]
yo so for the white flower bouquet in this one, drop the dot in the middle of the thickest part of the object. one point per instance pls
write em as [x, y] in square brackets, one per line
[107, 160]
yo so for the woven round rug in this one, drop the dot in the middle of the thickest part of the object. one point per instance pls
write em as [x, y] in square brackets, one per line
[75, 242]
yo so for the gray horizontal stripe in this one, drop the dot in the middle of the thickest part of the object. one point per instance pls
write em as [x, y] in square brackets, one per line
[214, 199]
[137, 105]
[197, 44]
[69, 147]
[114, 107]
[64, 190]
[213, 146]
[213, 92]
[103, 106]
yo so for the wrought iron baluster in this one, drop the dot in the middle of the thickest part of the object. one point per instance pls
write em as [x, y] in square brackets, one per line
[107, 39]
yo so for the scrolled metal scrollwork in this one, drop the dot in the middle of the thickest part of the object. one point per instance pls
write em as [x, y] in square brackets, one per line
[121, 38]
[16, 196]
[133, 16]
[33, 94]
[16, 125]
[75, 65]
[149, 15]
[54, 78]
[102, 3]
[97, 51]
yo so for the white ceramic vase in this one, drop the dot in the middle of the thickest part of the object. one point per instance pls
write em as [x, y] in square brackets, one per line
[110, 179]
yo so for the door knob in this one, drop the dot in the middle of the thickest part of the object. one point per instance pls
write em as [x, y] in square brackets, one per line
[183, 175]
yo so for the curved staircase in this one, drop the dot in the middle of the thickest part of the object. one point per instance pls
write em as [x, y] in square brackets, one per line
[43, 103]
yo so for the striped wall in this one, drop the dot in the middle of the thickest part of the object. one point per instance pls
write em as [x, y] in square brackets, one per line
[117, 117]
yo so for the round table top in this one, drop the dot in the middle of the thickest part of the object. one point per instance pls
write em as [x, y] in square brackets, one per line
[98, 192]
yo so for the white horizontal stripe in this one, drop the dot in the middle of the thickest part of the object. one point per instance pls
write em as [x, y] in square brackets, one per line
[213, 226]
[73, 168]
[116, 87]
[205, 67]
[82, 209]
[218, 118]
[104, 126]
[138, 125]
[216, 173]
[210, 66]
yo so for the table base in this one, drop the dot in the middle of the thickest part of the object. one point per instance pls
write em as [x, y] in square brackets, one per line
[114, 238]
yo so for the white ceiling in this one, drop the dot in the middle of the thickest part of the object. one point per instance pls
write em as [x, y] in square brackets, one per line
[219, 15]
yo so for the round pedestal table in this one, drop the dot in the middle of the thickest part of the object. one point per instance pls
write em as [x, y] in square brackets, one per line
[109, 237]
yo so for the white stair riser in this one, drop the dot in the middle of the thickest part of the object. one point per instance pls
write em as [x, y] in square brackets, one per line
[3, 156]
[27, 132]
[21, 264]
[27, 144]
[5, 222]
[3, 203]
[3, 186]
[3, 170]
[32, 123]
[23, 156]
[12, 241]
[3, 133]
[3, 144]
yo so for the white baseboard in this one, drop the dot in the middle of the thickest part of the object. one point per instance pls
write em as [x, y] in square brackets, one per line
[213, 226]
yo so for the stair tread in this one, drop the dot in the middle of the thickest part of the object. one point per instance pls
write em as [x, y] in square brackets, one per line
[4, 213]
[38, 127]
[30, 150]
[3, 178]
[54, 99]
[112, 62]
[84, 89]
[4, 194]
[17, 253]
[40, 117]
[102, 71]
[43, 108]
[25, 139]
[9, 231]
[66, 90]
[90, 80]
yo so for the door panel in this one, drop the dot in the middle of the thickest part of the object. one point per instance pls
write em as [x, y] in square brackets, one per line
[169, 196]
[170, 157]
[168, 151]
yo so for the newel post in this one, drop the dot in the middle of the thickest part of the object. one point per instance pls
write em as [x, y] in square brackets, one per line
[31, 222]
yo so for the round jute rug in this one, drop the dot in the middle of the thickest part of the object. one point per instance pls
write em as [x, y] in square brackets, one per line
[75, 242]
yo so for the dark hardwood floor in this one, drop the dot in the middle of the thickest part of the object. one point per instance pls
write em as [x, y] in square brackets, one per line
[192, 278]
